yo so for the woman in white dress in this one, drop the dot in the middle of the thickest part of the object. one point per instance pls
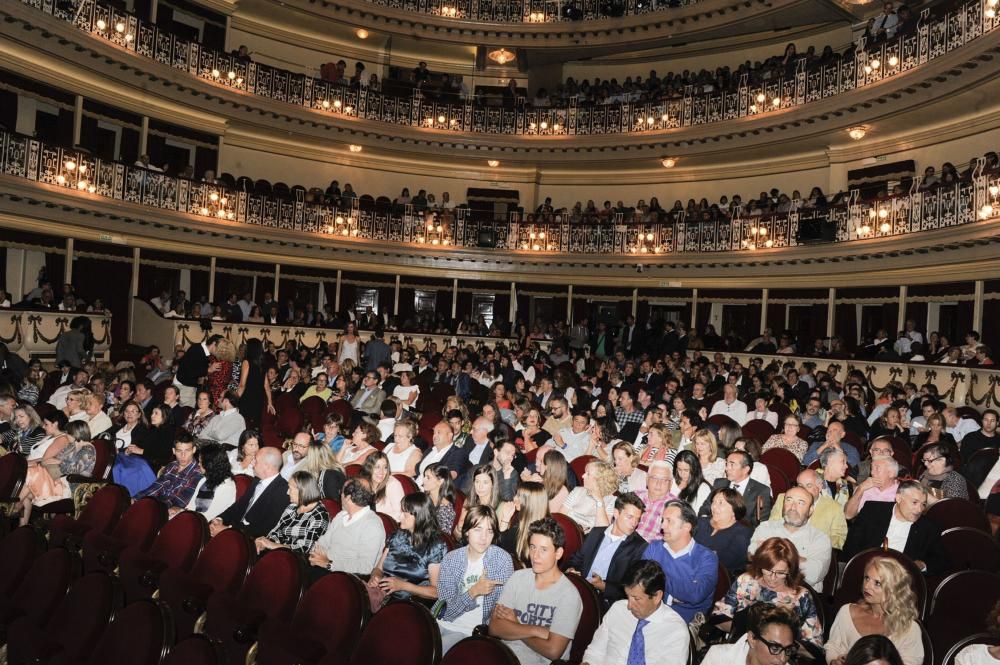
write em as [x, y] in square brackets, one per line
[350, 345]
[406, 392]
[403, 455]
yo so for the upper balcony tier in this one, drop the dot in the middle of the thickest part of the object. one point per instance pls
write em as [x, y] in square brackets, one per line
[894, 75]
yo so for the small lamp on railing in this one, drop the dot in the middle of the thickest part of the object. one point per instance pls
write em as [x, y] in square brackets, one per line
[991, 8]
[218, 207]
[74, 175]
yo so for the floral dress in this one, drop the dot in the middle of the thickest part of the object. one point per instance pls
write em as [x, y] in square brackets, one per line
[747, 590]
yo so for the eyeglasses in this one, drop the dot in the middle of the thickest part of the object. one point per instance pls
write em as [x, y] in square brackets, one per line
[932, 459]
[654, 479]
[781, 574]
[776, 648]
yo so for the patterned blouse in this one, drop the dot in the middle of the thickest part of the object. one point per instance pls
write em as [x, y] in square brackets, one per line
[196, 423]
[446, 517]
[747, 590]
[797, 447]
[952, 484]
[300, 531]
[77, 459]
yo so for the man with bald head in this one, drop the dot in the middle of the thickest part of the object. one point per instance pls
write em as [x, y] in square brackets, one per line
[834, 439]
[479, 450]
[813, 545]
[444, 452]
[257, 511]
[827, 514]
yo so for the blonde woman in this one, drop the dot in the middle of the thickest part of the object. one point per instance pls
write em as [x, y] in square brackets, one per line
[626, 464]
[887, 607]
[659, 445]
[593, 504]
[324, 467]
[531, 503]
[404, 457]
[706, 447]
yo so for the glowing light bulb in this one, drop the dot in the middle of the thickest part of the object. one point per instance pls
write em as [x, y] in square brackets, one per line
[884, 227]
[215, 73]
[101, 24]
[204, 211]
[761, 97]
[769, 243]
[776, 101]
[441, 119]
[337, 104]
[61, 179]
[544, 125]
[893, 61]
[994, 190]
[876, 63]
[70, 165]
[213, 197]
[231, 75]
[119, 27]
[83, 168]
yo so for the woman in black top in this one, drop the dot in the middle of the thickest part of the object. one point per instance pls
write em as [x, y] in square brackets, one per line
[157, 449]
[254, 390]
[724, 532]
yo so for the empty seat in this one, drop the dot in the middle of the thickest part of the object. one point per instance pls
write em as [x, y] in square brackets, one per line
[574, 537]
[758, 429]
[71, 631]
[409, 486]
[314, 412]
[779, 482]
[18, 551]
[177, 545]
[590, 618]
[329, 619]
[784, 460]
[221, 566]
[949, 513]
[140, 634]
[480, 650]
[970, 548]
[579, 465]
[136, 529]
[196, 650]
[101, 513]
[402, 633]
[40, 590]
[13, 470]
[960, 606]
[271, 591]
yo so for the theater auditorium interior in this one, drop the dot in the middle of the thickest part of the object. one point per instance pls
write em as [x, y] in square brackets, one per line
[499, 332]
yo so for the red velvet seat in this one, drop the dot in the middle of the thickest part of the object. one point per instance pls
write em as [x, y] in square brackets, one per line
[101, 513]
[332, 507]
[590, 618]
[779, 483]
[18, 552]
[784, 460]
[314, 412]
[459, 502]
[989, 639]
[401, 633]
[196, 650]
[970, 548]
[720, 419]
[949, 513]
[480, 650]
[329, 619]
[222, 566]
[13, 470]
[342, 408]
[104, 448]
[243, 483]
[390, 524]
[849, 588]
[960, 605]
[579, 466]
[271, 591]
[353, 470]
[40, 590]
[177, 545]
[574, 537]
[758, 429]
[409, 486]
[141, 634]
[137, 528]
[71, 631]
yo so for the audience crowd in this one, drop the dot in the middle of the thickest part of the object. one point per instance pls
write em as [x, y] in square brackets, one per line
[646, 467]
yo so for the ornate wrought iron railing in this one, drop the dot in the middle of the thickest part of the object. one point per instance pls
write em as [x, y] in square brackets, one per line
[941, 207]
[532, 11]
[935, 36]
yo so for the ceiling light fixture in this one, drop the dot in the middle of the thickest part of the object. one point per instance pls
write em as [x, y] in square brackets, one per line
[668, 162]
[354, 148]
[493, 163]
[857, 133]
[501, 56]
[362, 33]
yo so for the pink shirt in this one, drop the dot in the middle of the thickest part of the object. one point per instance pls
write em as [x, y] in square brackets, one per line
[650, 526]
[875, 494]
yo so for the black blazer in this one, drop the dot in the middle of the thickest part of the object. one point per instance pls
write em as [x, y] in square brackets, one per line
[753, 491]
[193, 366]
[464, 481]
[263, 514]
[868, 530]
[628, 552]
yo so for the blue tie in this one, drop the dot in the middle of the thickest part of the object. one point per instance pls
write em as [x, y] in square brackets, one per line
[637, 650]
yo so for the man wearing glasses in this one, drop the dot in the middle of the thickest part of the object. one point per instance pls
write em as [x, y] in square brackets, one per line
[769, 640]
[655, 496]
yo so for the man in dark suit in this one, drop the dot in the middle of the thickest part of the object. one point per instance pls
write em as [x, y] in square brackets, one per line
[902, 525]
[607, 552]
[257, 511]
[192, 368]
[376, 351]
[445, 453]
[756, 496]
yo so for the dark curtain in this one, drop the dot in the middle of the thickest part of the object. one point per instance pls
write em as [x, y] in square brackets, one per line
[155, 279]
[846, 325]
[918, 312]
[91, 278]
[199, 285]
[775, 319]
[55, 271]
[990, 334]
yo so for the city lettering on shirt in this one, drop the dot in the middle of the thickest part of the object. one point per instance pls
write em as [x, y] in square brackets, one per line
[536, 614]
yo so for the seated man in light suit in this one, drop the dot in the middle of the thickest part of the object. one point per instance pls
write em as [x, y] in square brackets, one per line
[368, 400]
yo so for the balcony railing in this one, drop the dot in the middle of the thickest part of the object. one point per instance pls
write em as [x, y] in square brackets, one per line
[934, 37]
[94, 178]
[532, 11]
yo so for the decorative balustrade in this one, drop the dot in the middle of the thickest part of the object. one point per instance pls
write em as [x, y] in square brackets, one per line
[934, 37]
[938, 208]
[35, 333]
[532, 11]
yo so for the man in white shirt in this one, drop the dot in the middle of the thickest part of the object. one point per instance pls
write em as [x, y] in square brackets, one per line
[246, 305]
[730, 406]
[293, 457]
[957, 426]
[355, 538]
[228, 425]
[78, 382]
[813, 545]
[574, 440]
[640, 629]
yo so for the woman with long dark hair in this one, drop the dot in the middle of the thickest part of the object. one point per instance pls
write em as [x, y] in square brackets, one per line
[216, 491]
[439, 487]
[689, 483]
[254, 391]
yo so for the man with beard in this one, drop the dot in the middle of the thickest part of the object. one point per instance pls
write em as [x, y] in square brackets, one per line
[293, 458]
[813, 545]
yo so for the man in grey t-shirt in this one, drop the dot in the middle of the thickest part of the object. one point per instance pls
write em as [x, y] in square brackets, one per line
[540, 608]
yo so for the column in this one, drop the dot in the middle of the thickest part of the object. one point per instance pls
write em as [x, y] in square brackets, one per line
[336, 294]
[977, 307]
[211, 279]
[321, 296]
[184, 284]
[395, 300]
[277, 280]
[902, 312]
[763, 310]
[512, 313]
[831, 311]
[153, 6]
[635, 302]
[134, 290]
[694, 309]
[569, 305]
[218, 155]
[454, 297]
[77, 119]
[143, 135]
[253, 290]
[68, 268]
